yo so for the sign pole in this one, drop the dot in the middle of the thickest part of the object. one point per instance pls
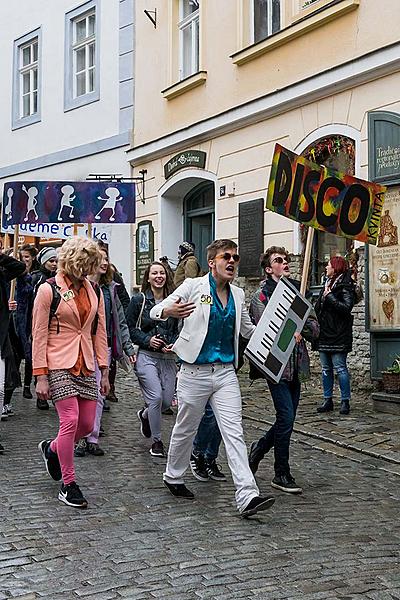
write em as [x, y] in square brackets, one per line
[75, 228]
[90, 231]
[307, 259]
[15, 249]
[6, 241]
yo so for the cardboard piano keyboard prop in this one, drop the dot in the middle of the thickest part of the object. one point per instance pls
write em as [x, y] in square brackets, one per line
[272, 343]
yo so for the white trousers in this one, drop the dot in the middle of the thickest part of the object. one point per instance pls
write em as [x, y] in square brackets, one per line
[217, 383]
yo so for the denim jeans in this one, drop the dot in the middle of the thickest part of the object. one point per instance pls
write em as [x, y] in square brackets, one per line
[331, 361]
[285, 396]
[208, 436]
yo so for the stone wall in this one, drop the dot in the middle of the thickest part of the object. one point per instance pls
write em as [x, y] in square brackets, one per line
[359, 358]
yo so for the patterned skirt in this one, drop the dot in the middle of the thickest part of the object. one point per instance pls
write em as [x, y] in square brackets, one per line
[63, 385]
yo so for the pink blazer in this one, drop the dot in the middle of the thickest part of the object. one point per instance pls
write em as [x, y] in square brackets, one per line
[54, 350]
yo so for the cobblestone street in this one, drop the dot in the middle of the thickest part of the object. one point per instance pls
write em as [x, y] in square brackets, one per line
[340, 539]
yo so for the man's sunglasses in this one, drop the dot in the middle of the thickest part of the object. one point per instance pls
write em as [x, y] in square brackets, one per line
[228, 256]
[280, 260]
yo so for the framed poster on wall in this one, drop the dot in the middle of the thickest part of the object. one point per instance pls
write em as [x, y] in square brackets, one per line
[384, 268]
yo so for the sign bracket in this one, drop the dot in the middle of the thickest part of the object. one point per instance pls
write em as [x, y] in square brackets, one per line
[118, 178]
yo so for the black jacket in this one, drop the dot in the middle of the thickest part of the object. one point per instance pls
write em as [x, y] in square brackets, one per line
[167, 330]
[10, 268]
[334, 316]
[39, 277]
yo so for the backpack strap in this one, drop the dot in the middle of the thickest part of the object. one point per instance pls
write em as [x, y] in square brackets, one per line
[95, 323]
[55, 302]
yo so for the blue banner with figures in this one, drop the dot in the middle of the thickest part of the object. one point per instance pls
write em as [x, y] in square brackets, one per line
[68, 202]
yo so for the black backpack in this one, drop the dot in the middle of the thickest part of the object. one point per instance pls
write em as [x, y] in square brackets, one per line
[55, 302]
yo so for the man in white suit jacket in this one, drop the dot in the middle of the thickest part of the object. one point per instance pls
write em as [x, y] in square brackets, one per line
[214, 314]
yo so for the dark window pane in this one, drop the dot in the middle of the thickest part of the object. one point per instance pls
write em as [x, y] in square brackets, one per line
[260, 20]
[276, 16]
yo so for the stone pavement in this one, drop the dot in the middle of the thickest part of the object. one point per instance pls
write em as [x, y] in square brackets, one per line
[363, 435]
[339, 540]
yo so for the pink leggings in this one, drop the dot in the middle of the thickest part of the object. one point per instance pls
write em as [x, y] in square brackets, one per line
[76, 417]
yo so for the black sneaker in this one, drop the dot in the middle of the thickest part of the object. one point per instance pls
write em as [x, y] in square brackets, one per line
[286, 483]
[167, 411]
[80, 448]
[106, 406]
[255, 457]
[157, 449]
[50, 459]
[94, 449]
[256, 505]
[27, 392]
[72, 496]
[214, 472]
[198, 467]
[144, 424]
[42, 404]
[179, 490]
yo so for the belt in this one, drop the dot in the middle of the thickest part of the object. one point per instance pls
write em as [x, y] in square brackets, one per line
[206, 367]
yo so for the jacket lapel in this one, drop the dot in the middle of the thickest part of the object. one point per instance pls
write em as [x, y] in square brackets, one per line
[204, 293]
[238, 310]
[64, 289]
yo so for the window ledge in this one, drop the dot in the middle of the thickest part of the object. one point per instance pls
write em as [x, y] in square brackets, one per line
[308, 23]
[183, 86]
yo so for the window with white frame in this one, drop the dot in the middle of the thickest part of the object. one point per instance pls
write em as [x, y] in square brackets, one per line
[83, 54]
[82, 80]
[189, 26]
[26, 80]
[266, 18]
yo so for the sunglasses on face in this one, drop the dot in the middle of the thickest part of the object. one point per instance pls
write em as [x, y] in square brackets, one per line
[228, 256]
[280, 260]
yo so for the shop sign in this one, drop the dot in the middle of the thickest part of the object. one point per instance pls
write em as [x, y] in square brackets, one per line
[61, 231]
[144, 248]
[384, 268]
[327, 200]
[384, 146]
[68, 202]
[184, 160]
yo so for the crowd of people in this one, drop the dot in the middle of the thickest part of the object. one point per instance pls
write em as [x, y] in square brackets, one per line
[72, 322]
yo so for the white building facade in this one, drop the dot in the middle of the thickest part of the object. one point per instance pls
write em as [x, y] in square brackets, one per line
[66, 109]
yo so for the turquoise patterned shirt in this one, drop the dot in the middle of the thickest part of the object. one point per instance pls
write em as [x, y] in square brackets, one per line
[219, 343]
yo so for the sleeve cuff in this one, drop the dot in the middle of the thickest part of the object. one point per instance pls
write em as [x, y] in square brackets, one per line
[41, 371]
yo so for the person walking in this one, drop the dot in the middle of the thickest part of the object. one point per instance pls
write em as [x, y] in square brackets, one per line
[188, 265]
[214, 314]
[66, 338]
[10, 268]
[119, 346]
[23, 313]
[286, 393]
[333, 308]
[47, 259]
[155, 364]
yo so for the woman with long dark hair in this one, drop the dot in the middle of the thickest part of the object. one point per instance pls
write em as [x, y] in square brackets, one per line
[119, 345]
[155, 363]
[23, 314]
[333, 309]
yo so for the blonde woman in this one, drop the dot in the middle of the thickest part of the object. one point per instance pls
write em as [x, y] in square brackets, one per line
[69, 329]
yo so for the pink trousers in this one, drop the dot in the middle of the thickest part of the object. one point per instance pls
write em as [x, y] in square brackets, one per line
[76, 416]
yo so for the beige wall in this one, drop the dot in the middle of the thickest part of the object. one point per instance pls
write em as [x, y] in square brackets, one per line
[367, 27]
[242, 159]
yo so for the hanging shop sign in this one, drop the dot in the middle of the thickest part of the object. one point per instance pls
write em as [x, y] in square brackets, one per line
[188, 158]
[324, 199]
[384, 146]
[144, 248]
[383, 268]
[68, 202]
[61, 231]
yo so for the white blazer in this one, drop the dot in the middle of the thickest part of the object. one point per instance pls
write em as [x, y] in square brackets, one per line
[195, 327]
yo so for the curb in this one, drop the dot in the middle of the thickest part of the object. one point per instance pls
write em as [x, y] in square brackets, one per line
[324, 438]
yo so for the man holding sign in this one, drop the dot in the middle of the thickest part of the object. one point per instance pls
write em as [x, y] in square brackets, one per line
[286, 393]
